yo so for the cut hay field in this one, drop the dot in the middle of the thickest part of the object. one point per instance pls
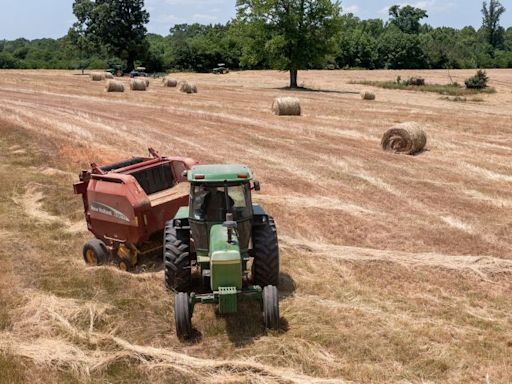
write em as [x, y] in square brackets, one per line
[395, 269]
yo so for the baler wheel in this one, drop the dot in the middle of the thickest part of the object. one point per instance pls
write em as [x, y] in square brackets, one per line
[178, 274]
[95, 252]
[182, 316]
[271, 307]
[123, 265]
[266, 254]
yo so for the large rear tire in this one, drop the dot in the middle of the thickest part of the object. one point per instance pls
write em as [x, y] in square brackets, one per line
[271, 307]
[182, 316]
[95, 253]
[266, 254]
[178, 274]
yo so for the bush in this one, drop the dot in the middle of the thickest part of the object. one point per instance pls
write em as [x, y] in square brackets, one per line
[417, 81]
[479, 81]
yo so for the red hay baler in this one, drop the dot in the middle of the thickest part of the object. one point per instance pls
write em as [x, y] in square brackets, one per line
[127, 205]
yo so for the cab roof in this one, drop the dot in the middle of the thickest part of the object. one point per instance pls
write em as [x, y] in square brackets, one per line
[219, 173]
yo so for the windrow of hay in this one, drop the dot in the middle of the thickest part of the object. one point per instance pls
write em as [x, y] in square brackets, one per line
[186, 87]
[138, 85]
[286, 106]
[406, 138]
[96, 76]
[108, 75]
[114, 86]
[172, 83]
[58, 332]
[366, 95]
[480, 265]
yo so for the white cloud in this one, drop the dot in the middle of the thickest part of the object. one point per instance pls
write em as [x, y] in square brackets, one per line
[431, 6]
[204, 18]
[194, 2]
[351, 9]
[168, 19]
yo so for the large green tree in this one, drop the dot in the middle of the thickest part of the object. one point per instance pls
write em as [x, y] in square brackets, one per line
[117, 25]
[492, 13]
[291, 34]
[407, 18]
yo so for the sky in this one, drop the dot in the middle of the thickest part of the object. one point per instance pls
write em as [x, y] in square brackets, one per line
[33, 19]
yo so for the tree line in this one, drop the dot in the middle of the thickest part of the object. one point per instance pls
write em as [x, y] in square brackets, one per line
[288, 35]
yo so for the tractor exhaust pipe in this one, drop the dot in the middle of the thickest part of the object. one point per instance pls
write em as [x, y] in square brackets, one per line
[230, 224]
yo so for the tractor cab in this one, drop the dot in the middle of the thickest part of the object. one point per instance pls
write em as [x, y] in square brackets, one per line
[215, 192]
[222, 248]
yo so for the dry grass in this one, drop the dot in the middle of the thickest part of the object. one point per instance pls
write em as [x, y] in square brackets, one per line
[394, 268]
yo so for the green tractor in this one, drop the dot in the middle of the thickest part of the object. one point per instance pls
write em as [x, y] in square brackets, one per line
[222, 249]
[116, 70]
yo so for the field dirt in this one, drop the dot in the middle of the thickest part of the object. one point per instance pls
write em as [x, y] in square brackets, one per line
[395, 269]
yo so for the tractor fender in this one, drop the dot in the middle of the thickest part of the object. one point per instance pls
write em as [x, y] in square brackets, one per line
[180, 220]
[260, 217]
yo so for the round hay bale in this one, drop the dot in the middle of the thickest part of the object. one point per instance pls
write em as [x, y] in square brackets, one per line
[172, 83]
[95, 76]
[138, 85]
[146, 80]
[185, 87]
[286, 106]
[406, 138]
[366, 95]
[114, 86]
[108, 75]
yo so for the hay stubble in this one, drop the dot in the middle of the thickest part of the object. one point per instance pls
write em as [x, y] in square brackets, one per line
[390, 271]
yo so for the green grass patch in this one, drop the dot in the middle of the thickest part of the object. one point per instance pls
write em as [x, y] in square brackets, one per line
[443, 89]
[462, 99]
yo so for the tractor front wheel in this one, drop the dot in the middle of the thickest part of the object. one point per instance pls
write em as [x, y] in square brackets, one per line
[95, 252]
[266, 254]
[178, 274]
[182, 316]
[271, 307]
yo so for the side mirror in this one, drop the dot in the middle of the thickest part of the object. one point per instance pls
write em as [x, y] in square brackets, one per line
[257, 186]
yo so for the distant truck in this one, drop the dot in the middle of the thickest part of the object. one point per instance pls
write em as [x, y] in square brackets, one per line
[139, 72]
[221, 69]
[127, 204]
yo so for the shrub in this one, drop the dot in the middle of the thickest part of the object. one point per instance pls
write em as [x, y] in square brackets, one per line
[479, 81]
[417, 81]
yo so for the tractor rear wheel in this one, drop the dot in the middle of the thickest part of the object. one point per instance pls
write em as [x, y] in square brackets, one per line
[271, 307]
[182, 316]
[95, 252]
[266, 254]
[178, 274]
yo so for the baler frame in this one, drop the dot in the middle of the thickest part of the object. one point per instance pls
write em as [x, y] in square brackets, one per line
[126, 204]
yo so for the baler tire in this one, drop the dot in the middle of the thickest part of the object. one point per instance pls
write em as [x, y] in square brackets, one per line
[271, 307]
[95, 252]
[266, 254]
[178, 274]
[182, 316]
